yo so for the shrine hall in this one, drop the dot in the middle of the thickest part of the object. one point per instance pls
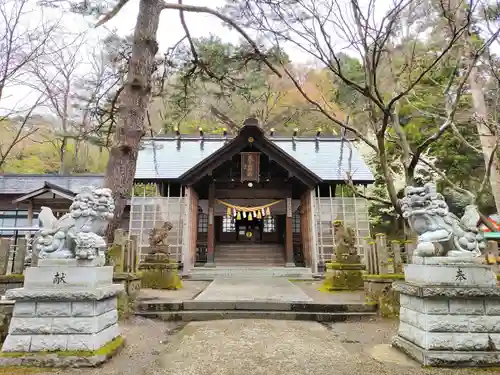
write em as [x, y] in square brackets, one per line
[252, 200]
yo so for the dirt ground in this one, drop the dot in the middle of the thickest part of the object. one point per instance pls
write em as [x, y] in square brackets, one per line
[263, 347]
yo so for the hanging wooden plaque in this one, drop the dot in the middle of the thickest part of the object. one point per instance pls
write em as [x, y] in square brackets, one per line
[250, 166]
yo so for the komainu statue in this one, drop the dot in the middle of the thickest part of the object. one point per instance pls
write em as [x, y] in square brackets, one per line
[345, 243]
[80, 233]
[440, 232]
[159, 235]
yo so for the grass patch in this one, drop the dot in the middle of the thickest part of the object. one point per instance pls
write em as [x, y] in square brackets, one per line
[325, 289]
[25, 370]
[12, 278]
[109, 348]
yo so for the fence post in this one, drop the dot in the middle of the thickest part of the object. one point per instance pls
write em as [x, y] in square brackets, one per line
[135, 256]
[372, 248]
[370, 269]
[397, 261]
[4, 255]
[383, 256]
[366, 260]
[409, 248]
[20, 255]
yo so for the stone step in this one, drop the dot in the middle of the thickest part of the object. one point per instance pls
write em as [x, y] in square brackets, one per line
[207, 276]
[249, 244]
[249, 258]
[251, 271]
[248, 252]
[198, 305]
[235, 262]
[193, 316]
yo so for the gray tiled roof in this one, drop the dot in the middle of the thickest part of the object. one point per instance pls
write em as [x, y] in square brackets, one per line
[25, 183]
[330, 160]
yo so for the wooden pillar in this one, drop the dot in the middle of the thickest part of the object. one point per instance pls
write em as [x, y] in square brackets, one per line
[211, 227]
[290, 262]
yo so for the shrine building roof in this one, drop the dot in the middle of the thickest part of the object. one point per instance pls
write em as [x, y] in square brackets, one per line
[330, 158]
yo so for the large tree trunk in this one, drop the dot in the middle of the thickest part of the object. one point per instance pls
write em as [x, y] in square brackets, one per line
[487, 138]
[134, 101]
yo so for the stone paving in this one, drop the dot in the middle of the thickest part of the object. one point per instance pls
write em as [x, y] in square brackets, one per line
[311, 289]
[189, 290]
[272, 289]
[192, 289]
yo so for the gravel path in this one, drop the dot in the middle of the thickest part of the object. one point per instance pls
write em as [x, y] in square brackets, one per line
[145, 342]
[260, 347]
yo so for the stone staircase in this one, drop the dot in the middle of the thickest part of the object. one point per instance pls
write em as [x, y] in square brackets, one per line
[210, 273]
[250, 255]
[189, 311]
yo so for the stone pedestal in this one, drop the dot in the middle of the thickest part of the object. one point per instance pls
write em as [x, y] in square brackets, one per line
[65, 305]
[450, 313]
[344, 276]
[158, 272]
[378, 289]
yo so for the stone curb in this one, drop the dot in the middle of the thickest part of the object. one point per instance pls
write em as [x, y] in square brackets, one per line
[152, 306]
[193, 316]
[438, 358]
[64, 294]
[53, 360]
[440, 290]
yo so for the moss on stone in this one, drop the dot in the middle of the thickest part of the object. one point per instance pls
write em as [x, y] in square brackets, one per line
[119, 276]
[125, 306]
[161, 278]
[388, 304]
[107, 349]
[393, 276]
[343, 280]
[344, 266]
[114, 257]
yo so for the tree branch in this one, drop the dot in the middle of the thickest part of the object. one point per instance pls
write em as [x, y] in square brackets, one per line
[357, 193]
[112, 13]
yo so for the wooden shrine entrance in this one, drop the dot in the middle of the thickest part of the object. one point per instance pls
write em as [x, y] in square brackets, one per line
[249, 185]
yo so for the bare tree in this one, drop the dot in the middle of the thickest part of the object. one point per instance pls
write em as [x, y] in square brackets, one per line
[396, 60]
[136, 95]
[22, 41]
[56, 73]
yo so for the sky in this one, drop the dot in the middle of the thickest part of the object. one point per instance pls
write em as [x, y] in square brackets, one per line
[170, 31]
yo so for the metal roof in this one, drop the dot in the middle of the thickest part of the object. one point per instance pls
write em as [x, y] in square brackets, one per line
[26, 183]
[329, 158]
